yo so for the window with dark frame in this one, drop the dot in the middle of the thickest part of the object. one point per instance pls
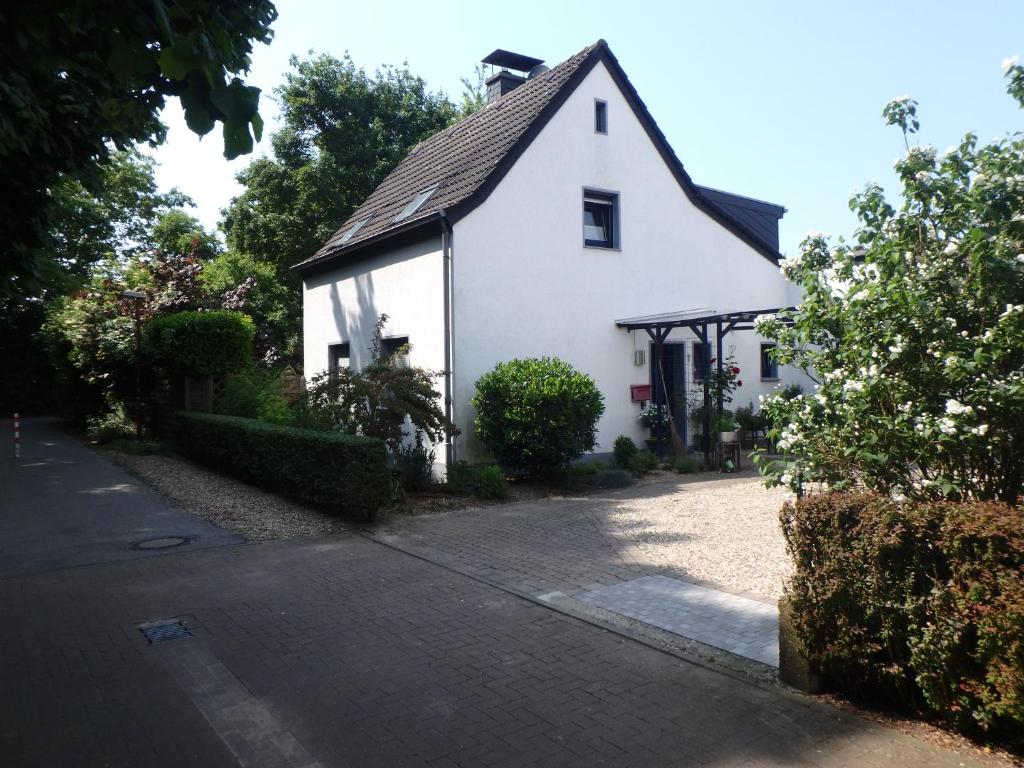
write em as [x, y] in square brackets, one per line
[701, 360]
[769, 365]
[600, 116]
[600, 217]
[337, 357]
[389, 347]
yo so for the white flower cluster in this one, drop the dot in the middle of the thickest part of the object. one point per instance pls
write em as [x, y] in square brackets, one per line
[925, 152]
[1012, 309]
[956, 408]
[1009, 63]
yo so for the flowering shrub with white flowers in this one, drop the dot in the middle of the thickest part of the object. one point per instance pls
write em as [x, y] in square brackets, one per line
[915, 331]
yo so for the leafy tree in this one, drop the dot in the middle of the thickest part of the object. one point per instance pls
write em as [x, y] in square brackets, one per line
[179, 233]
[343, 132]
[474, 92]
[117, 215]
[80, 78]
[916, 330]
[238, 281]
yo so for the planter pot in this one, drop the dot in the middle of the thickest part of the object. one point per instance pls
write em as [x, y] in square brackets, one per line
[651, 442]
[729, 437]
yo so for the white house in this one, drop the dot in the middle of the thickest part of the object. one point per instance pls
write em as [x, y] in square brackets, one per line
[533, 228]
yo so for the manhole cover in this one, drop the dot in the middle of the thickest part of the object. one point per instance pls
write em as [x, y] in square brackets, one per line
[158, 633]
[162, 543]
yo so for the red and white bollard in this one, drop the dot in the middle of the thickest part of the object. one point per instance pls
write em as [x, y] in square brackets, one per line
[17, 436]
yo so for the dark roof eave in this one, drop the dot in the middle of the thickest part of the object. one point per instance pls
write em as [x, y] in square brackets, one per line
[347, 250]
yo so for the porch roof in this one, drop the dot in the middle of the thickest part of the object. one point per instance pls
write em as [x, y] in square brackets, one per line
[697, 320]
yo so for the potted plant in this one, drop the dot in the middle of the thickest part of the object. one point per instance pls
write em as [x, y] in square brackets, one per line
[750, 423]
[656, 419]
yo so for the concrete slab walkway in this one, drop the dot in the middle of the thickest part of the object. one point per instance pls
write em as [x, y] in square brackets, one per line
[739, 625]
[63, 505]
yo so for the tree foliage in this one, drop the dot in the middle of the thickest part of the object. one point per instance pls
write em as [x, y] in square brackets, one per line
[80, 78]
[343, 132]
[917, 330]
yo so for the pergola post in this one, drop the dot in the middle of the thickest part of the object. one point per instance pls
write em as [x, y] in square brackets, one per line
[719, 338]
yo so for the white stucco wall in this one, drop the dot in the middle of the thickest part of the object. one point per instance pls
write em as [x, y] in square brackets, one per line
[524, 284]
[343, 305]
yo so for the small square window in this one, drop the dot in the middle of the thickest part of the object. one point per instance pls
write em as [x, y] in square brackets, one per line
[600, 220]
[701, 360]
[769, 365]
[392, 346]
[600, 116]
[337, 357]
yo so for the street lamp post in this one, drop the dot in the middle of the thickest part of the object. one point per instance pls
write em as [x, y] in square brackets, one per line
[137, 297]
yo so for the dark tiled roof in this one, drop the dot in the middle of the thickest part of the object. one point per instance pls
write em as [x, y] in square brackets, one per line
[468, 160]
[458, 158]
[760, 217]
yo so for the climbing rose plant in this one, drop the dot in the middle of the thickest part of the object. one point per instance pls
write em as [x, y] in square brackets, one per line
[915, 331]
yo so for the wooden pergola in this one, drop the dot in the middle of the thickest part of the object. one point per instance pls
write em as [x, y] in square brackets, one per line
[702, 323]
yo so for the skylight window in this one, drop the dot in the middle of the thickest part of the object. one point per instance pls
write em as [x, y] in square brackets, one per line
[417, 203]
[351, 231]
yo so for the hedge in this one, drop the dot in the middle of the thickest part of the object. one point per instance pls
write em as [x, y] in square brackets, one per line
[212, 343]
[915, 604]
[345, 473]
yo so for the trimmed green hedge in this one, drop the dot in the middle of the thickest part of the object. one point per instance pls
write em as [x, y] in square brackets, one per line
[920, 604]
[344, 473]
[211, 343]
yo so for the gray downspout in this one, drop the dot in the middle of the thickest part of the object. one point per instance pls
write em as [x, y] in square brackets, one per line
[447, 236]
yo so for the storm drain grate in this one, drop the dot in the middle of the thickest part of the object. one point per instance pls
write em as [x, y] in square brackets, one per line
[158, 633]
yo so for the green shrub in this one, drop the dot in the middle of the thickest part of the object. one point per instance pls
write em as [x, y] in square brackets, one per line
[345, 473]
[914, 603]
[624, 450]
[585, 468]
[255, 395]
[415, 465]
[608, 479]
[211, 343]
[685, 464]
[643, 462]
[491, 482]
[537, 415]
[113, 423]
[462, 477]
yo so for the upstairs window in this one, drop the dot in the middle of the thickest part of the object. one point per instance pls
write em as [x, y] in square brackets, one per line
[416, 203]
[701, 360]
[390, 347]
[337, 357]
[769, 365]
[600, 219]
[600, 116]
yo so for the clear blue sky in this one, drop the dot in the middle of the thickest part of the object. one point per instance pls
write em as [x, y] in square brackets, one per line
[779, 101]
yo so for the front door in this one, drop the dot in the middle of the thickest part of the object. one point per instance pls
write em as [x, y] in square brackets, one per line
[671, 374]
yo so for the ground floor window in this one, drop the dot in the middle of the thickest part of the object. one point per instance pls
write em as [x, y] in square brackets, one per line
[337, 357]
[769, 365]
[389, 347]
[701, 360]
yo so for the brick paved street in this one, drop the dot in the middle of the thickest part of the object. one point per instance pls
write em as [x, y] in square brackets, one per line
[345, 653]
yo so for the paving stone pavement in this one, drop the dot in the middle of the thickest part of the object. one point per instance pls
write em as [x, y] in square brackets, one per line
[342, 652]
[567, 547]
[733, 623]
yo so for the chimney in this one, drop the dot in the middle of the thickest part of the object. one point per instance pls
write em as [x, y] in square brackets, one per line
[503, 81]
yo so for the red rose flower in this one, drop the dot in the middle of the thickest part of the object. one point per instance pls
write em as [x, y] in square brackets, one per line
[739, 383]
[735, 370]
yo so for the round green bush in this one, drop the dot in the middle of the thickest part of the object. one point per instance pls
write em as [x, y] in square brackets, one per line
[211, 343]
[537, 415]
[624, 451]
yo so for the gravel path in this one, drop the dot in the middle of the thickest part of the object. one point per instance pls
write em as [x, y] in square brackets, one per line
[722, 531]
[255, 514]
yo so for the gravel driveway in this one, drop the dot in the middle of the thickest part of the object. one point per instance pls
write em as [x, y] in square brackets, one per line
[255, 514]
[724, 531]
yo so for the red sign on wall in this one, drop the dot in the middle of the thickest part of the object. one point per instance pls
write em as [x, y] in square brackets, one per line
[640, 392]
